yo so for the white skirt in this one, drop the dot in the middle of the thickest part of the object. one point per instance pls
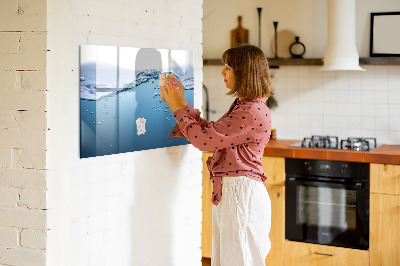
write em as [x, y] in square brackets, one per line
[241, 223]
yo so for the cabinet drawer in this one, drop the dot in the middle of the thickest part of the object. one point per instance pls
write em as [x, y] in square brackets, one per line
[297, 254]
[274, 168]
[385, 178]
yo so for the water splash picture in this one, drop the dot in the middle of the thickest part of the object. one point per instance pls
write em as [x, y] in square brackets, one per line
[120, 106]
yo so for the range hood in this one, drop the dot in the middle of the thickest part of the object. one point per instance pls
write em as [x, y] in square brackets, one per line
[341, 51]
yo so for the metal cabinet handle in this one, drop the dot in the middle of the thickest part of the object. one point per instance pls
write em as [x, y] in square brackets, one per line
[324, 254]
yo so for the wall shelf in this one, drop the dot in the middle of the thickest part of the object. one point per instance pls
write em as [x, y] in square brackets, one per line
[380, 61]
[274, 63]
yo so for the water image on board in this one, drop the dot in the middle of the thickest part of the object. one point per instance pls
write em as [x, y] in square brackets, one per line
[120, 106]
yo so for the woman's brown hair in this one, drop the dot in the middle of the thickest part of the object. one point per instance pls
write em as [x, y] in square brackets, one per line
[250, 66]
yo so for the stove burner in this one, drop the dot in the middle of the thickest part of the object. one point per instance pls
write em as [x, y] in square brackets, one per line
[358, 144]
[328, 142]
[332, 142]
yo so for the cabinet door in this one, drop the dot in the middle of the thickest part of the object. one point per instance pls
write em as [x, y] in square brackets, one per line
[274, 168]
[385, 178]
[206, 225]
[277, 233]
[304, 254]
[384, 230]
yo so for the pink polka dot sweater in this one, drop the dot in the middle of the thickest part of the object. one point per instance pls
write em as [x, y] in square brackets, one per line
[238, 139]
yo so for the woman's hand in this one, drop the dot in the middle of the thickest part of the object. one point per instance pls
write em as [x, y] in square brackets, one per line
[174, 94]
[181, 90]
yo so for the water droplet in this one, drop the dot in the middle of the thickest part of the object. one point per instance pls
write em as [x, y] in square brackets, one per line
[111, 145]
[165, 111]
[91, 113]
[159, 110]
[114, 116]
[87, 110]
[99, 123]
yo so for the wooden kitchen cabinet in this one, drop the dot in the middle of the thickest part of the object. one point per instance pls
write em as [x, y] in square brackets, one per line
[277, 233]
[206, 225]
[384, 236]
[305, 254]
[274, 168]
[385, 178]
[385, 215]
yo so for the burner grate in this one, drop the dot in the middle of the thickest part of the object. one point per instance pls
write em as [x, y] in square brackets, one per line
[332, 142]
[327, 142]
[358, 144]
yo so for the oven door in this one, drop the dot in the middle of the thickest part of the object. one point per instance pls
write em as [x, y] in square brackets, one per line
[327, 213]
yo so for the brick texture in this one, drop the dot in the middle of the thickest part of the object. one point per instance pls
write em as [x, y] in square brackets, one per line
[33, 239]
[9, 237]
[23, 125]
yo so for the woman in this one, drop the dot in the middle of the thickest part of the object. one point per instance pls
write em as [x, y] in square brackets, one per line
[242, 211]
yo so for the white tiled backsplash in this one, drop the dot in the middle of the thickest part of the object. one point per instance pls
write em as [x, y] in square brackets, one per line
[314, 102]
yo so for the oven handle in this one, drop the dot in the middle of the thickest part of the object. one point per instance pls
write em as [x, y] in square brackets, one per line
[357, 185]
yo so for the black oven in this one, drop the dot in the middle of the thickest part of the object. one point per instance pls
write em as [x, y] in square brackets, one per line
[327, 202]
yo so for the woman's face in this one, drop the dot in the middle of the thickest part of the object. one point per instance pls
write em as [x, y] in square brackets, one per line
[229, 76]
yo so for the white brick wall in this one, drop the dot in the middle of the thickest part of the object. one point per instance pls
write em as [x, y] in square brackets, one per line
[33, 239]
[9, 237]
[23, 132]
[138, 208]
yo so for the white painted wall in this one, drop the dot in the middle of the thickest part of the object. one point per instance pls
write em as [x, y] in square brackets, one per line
[139, 208]
[311, 102]
[23, 133]
[306, 19]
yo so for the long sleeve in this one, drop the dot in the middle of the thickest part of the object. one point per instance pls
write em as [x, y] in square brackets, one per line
[193, 113]
[230, 131]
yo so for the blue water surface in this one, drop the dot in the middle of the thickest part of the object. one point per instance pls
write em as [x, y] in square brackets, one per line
[108, 124]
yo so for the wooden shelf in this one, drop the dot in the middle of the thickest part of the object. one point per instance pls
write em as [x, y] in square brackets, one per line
[380, 61]
[274, 63]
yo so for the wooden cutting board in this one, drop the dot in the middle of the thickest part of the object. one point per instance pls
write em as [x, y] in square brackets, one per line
[239, 35]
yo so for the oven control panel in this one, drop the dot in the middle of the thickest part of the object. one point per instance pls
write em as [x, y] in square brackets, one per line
[337, 169]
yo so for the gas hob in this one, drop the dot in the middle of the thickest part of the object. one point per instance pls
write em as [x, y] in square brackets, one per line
[332, 142]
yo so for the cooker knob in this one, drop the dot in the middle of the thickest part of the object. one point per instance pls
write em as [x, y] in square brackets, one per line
[308, 166]
[343, 168]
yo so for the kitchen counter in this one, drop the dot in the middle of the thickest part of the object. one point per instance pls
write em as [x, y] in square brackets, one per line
[389, 154]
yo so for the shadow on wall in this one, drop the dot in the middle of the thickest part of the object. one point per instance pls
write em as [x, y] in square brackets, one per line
[154, 204]
[150, 214]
